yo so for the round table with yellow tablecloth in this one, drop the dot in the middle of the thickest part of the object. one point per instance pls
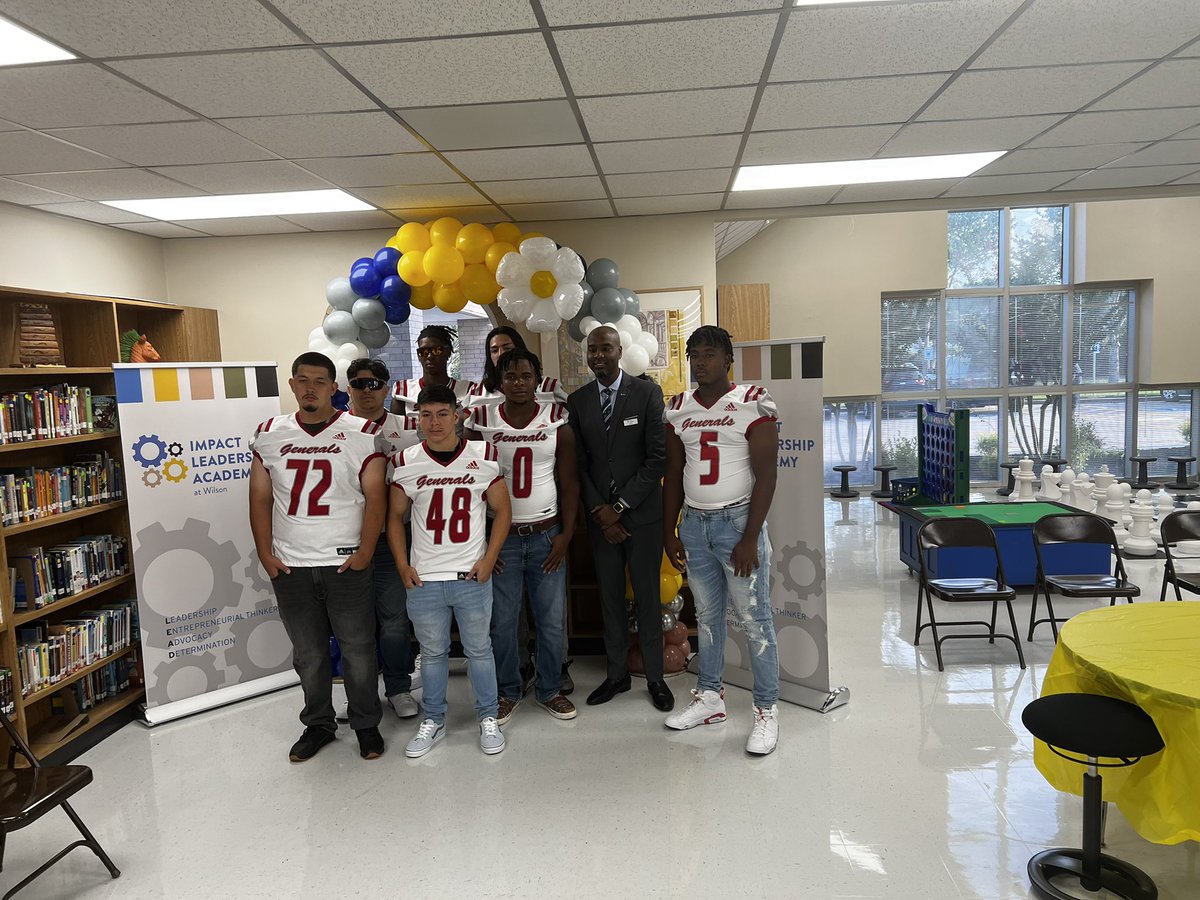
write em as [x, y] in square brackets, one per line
[1148, 654]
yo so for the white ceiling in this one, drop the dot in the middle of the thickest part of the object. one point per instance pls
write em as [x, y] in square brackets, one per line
[554, 109]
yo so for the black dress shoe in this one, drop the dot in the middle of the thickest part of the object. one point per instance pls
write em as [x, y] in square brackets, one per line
[608, 689]
[663, 699]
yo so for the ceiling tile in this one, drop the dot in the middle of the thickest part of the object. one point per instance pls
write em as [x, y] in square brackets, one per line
[346, 221]
[1173, 83]
[162, 230]
[899, 190]
[373, 171]
[245, 177]
[245, 225]
[62, 95]
[1118, 127]
[1194, 178]
[676, 114]
[1058, 159]
[668, 155]
[1166, 153]
[815, 144]
[501, 125]
[1101, 30]
[1016, 92]
[586, 12]
[969, 136]
[666, 56]
[411, 196]
[485, 213]
[1128, 177]
[93, 212]
[863, 101]
[327, 134]
[28, 151]
[509, 67]
[544, 190]
[259, 83]
[526, 162]
[657, 206]
[111, 184]
[1001, 185]
[27, 194]
[885, 39]
[326, 22]
[696, 181]
[813, 196]
[6, 125]
[575, 209]
[174, 143]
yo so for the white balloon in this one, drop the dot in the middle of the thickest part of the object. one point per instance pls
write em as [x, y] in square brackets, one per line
[342, 364]
[352, 350]
[635, 360]
[626, 340]
[587, 323]
[520, 302]
[514, 270]
[649, 342]
[374, 338]
[567, 267]
[340, 327]
[541, 252]
[317, 332]
[568, 299]
[543, 319]
[632, 324]
[320, 343]
[339, 295]
[368, 313]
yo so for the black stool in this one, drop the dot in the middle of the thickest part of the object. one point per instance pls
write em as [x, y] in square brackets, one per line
[885, 482]
[844, 492]
[1142, 480]
[1012, 484]
[1054, 464]
[1181, 482]
[1093, 727]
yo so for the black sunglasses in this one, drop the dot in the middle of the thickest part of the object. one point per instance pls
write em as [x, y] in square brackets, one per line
[366, 384]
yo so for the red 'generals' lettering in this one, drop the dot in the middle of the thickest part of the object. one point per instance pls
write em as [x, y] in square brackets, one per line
[706, 423]
[292, 448]
[500, 437]
[425, 480]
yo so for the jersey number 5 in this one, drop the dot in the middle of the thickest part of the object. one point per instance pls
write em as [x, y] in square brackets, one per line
[459, 521]
[323, 470]
[711, 455]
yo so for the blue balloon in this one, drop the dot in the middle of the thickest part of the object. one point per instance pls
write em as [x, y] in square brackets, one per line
[397, 312]
[394, 289]
[341, 400]
[386, 260]
[362, 261]
[364, 281]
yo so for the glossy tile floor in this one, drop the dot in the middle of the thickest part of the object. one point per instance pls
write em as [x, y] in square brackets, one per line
[922, 787]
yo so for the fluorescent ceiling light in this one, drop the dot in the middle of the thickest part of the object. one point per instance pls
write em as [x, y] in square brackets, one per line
[836, 2]
[862, 171]
[234, 206]
[18, 46]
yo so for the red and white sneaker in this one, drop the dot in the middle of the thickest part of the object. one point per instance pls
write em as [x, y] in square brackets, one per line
[706, 708]
[764, 736]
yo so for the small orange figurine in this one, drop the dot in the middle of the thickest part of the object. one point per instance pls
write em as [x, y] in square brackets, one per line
[136, 348]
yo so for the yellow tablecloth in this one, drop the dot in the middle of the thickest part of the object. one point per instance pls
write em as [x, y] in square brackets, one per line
[1148, 654]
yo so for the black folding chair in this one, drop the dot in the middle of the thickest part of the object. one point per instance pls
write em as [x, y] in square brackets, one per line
[1181, 525]
[938, 534]
[1076, 528]
[28, 794]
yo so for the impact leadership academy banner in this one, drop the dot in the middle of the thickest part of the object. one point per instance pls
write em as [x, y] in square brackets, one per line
[210, 627]
[791, 372]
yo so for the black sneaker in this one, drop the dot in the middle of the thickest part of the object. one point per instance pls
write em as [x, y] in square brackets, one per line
[310, 742]
[370, 743]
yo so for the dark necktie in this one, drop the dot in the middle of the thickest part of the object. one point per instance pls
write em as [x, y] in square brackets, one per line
[606, 406]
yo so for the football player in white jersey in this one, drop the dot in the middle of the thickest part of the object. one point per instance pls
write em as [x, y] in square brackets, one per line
[722, 445]
[499, 341]
[435, 346]
[537, 458]
[317, 503]
[449, 484]
[368, 381]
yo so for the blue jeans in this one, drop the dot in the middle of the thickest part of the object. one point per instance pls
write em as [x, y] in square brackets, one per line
[709, 537]
[430, 608]
[395, 638]
[523, 556]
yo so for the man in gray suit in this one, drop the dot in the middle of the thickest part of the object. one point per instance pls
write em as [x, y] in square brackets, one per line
[620, 441]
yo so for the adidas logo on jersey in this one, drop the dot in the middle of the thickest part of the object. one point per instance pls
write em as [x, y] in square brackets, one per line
[393, 434]
[472, 465]
[340, 436]
[731, 407]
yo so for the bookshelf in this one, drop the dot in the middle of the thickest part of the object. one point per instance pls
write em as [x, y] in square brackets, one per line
[88, 332]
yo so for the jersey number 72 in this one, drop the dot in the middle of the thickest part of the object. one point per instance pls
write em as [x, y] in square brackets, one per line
[322, 471]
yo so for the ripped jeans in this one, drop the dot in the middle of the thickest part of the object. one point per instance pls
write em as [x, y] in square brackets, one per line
[709, 537]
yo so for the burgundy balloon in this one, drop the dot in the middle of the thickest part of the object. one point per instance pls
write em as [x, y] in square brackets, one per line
[678, 635]
[674, 658]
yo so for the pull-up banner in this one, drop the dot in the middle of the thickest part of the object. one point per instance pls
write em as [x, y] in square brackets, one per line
[211, 632]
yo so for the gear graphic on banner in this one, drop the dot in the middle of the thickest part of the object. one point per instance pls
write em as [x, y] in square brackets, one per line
[176, 470]
[139, 450]
[175, 448]
[152, 478]
[784, 565]
[167, 672]
[239, 654]
[257, 575]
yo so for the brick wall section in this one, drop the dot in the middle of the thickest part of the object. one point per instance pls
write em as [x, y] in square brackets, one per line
[400, 355]
[471, 351]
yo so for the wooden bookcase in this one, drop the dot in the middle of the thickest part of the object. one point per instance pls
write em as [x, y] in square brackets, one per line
[88, 332]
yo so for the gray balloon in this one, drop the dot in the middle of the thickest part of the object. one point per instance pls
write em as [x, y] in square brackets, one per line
[339, 294]
[603, 273]
[607, 304]
[668, 621]
[368, 313]
[633, 303]
[586, 309]
[574, 331]
[340, 327]
[374, 338]
[676, 605]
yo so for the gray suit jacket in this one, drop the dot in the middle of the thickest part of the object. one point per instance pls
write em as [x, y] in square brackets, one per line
[631, 455]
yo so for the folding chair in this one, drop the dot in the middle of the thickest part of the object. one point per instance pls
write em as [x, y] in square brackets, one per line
[1181, 525]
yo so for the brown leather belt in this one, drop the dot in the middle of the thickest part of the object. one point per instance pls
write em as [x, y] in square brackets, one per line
[527, 528]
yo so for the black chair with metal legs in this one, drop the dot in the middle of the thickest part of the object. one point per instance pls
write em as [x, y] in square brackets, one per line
[1181, 525]
[938, 534]
[28, 794]
[1075, 528]
[1095, 728]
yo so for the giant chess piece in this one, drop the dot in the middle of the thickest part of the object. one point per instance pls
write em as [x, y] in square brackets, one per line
[1114, 508]
[1081, 493]
[1050, 481]
[1189, 548]
[1100, 492]
[1066, 484]
[1164, 505]
[1025, 478]
[1127, 493]
[1139, 542]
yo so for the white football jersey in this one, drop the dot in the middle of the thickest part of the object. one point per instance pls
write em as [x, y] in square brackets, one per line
[398, 432]
[407, 390]
[549, 390]
[449, 506]
[527, 456]
[316, 485]
[716, 440]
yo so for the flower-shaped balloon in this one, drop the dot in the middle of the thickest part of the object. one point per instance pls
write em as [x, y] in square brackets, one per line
[540, 284]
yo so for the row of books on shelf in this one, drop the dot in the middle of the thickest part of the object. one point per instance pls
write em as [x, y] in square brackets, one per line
[106, 682]
[62, 410]
[48, 652]
[31, 492]
[8, 705]
[41, 575]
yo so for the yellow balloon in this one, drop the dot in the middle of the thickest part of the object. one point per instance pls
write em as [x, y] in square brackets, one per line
[495, 253]
[393, 243]
[449, 297]
[477, 284]
[507, 232]
[422, 297]
[669, 584]
[443, 264]
[411, 268]
[473, 242]
[444, 231]
[411, 236]
[543, 284]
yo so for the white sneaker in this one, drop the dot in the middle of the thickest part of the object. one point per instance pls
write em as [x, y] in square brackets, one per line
[427, 735]
[706, 708]
[416, 674]
[342, 714]
[403, 705]
[491, 738]
[765, 734]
